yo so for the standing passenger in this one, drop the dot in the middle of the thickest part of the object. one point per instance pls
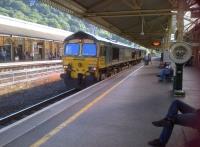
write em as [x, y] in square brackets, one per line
[1, 53]
[149, 58]
[146, 60]
[4, 54]
[32, 55]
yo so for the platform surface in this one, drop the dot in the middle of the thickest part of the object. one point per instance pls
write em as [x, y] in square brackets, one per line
[28, 63]
[119, 114]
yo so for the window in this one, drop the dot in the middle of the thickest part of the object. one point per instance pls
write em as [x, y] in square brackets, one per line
[72, 49]
[103, 51]
[115, 53]
[89, 49]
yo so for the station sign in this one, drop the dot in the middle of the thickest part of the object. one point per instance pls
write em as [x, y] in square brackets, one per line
[180, 52]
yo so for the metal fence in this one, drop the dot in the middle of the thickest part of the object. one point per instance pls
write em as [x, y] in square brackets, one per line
[8, 78]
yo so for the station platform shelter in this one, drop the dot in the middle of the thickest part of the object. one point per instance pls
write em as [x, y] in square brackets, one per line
[118, 111]
[113, 113]
[25, 41]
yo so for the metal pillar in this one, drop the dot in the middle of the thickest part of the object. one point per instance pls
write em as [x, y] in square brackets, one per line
[178, 91]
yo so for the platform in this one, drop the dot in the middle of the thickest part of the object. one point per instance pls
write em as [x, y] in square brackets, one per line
[116, 112]
[18, 76]
[28, 63]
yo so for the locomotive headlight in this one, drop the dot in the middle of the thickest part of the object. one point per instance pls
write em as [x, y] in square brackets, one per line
[65, 66]
[92, 69]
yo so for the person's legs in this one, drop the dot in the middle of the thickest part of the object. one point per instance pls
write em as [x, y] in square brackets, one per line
[165, 134]
[162, 74]
[188, 120]
[178, 105]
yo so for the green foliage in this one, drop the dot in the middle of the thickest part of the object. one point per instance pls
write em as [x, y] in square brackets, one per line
[46, 15]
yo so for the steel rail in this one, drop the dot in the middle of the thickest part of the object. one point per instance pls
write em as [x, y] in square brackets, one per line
[29, 110]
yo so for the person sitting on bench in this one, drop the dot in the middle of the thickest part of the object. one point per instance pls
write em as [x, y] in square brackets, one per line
[166, 72]
[189, 117]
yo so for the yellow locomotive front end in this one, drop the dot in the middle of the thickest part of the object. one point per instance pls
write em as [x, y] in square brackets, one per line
[80, 62]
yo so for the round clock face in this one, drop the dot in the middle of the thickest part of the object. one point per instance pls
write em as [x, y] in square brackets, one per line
[180, 52]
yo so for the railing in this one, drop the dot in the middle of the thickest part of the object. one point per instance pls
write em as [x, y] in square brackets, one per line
[8, 78]
[29, 65]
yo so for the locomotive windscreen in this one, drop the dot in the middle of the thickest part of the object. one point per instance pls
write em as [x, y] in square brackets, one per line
[72, 49]
[89, 49]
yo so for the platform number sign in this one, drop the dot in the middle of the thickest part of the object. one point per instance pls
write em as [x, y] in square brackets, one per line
[180, 52]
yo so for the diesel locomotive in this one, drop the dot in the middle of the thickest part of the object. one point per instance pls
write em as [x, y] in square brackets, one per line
[89, 58]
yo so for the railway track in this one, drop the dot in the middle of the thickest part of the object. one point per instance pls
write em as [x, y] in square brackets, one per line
[7, 120]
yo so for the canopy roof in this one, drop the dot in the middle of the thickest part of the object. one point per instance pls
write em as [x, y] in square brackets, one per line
[16, 27]
[127, 18]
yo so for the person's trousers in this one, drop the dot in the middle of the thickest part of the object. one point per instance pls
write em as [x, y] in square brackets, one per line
[188, 118]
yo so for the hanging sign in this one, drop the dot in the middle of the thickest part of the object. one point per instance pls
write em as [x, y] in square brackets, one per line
[156, 43]
[180, 52]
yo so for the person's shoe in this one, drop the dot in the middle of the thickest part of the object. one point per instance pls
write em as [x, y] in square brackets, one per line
[156, 143]
[162, 123]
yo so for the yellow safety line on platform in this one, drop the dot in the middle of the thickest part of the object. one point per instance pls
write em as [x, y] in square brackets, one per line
[77, 114]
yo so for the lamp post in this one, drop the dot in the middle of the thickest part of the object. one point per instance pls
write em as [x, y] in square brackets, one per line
[180, 52]
[179, 66]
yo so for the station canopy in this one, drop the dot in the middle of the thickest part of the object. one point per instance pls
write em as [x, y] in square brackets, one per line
[140, 21]
[19, 28]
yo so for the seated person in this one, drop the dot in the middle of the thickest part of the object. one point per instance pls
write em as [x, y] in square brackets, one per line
[166, 72]
[189, 117]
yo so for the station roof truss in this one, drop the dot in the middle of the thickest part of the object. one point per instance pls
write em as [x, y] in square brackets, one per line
[192, 30]
[140, 21]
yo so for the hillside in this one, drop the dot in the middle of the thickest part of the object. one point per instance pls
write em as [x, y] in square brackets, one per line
[43, 14]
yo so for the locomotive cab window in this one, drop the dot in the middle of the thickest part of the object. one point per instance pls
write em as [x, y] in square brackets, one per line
[72, 49]
[89, 49]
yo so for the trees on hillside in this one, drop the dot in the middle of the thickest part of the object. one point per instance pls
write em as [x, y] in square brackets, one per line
[31, 10]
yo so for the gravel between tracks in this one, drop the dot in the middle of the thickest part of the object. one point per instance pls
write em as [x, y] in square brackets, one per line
[19, 100]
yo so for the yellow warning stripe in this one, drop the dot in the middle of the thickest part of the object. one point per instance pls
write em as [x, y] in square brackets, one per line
[76, 115]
